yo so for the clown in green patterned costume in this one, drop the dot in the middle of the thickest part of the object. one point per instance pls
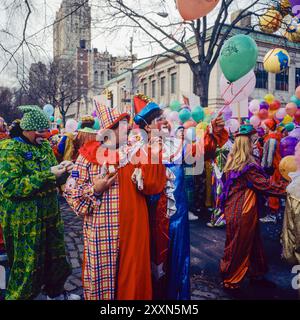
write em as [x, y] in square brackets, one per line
[29, 211]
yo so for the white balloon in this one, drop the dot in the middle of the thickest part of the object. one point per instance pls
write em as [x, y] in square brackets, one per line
[239, 90]
[71, 125]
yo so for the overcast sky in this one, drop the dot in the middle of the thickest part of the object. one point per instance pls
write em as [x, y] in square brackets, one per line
[44, 15]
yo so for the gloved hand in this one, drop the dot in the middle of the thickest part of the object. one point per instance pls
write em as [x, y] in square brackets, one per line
[58, 171]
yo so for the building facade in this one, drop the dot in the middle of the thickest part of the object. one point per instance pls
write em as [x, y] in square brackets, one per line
[166, 81]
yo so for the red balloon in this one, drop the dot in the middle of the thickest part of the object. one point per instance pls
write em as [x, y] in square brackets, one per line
[195, 9]
[275, 105]
[263, 114]
[291, 108]
[297, 116]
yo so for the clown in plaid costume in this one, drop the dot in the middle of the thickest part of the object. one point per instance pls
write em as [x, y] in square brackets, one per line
[116, 228]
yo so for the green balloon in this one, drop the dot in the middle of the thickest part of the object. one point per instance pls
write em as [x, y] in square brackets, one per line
[184, 115]
[97, 124]
[51, 118]
[175, 105]
[289, 127]
[198, 114]
[59, 121]
[238, 56]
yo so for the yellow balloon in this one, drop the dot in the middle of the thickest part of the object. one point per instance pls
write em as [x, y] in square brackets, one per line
[269, 98]
[276, 60]
[200, 129]
[287, 119]
[286, 166]
[271, 21]
[207, 111]
[285, 7]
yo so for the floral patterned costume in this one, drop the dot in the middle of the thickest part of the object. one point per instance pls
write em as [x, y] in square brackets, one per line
[31, 221]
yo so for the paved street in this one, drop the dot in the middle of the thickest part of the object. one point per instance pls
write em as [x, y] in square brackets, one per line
[206, 251]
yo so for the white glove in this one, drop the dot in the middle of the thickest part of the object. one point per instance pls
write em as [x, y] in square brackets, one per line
[58, 171]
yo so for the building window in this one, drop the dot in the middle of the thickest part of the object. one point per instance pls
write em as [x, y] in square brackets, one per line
[145, 89]
[173, 82]
[297, 80]
[282, 81]
[153, 88]
[261, 76]
[102, 78]
[96, 77]
[162, 86]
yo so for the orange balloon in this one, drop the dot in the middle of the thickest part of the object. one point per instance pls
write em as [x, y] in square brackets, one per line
[195, 9]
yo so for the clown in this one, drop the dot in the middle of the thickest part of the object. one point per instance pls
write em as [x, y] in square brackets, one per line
[29, 211]
[170, 251]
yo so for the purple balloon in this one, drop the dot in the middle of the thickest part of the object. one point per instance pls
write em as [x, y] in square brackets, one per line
[260, 132]
[287, 146]
[227, 114]
[295, 133]
[263, 105]
[94, 114]
[295, 7]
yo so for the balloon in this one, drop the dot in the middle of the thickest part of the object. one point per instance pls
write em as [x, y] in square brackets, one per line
[276, 60]
[297, 116]
[190, 134]
[190, 124]
[227, 114]
[238, 56]
[238, 90]
[295, 133]
[207, 118]
[275, 105]
[48, 109]
[264, 105]
[271, 114]
[263, 114]
[269, 98]
[175, 105]
[79, 125]
[289, 127]
[233, 125]
[195, 9]
[291, 108]
[208, 111]
[184, 115]
[287, 146]
[254, 106]
[287, 119]
[202, 126]
[71, 125]
[270, 22]
[52, 118]
[260, 132]
[280, 114]
[94, 114]
[286, 166]
[255, 121]
[162, 105]
[58, 121]
[295, 100]
[198, 114]
[173, 116]
[297, 93]
[97, 124]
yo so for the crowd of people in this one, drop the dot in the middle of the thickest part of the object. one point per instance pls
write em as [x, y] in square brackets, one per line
[131, 188]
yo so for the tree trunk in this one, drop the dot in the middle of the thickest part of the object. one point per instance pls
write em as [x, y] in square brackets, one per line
[201, 83]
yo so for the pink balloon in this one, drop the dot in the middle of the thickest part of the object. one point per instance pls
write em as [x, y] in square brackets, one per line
[190, 124]
[297, 93]
[254, 106]
[255, 121]
[291, 108]
[280, 114]
[173, 116]
[239, 90]
[233, 125]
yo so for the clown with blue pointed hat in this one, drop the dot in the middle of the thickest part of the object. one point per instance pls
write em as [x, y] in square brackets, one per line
[170, 254]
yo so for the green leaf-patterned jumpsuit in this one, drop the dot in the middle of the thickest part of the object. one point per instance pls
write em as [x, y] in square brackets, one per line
[31, 221]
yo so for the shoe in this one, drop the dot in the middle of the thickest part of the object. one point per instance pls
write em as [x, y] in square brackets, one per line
[269, 219]
[66, 296]
[192, 217]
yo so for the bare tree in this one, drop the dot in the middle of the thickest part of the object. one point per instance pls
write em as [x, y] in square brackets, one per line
[55, 83]
[177, 38]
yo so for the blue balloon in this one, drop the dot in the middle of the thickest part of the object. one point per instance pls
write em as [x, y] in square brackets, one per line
[48, 109]
[97, 124]
[295, 100]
